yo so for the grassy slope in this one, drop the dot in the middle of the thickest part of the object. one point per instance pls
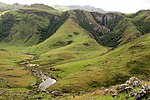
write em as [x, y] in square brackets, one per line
[42, 7]
[14, 75]
[29, 24]
[131, 59]
[56, 48]
[122, 31]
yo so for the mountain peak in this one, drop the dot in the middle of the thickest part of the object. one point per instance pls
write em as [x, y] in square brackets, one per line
[73, 7]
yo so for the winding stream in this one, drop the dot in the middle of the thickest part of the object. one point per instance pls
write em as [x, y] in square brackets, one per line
[47, 81]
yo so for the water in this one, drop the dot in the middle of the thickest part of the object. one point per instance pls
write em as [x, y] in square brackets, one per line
[45, 84]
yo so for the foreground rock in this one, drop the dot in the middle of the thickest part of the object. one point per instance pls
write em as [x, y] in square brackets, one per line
[129, 88]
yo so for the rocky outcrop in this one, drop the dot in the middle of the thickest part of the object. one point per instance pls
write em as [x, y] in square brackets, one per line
[95, 23]
[105, 19]
[133, 88]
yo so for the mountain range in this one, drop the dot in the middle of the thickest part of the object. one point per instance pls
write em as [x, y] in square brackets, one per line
[74, 7]
[4, 7]
[82, 49]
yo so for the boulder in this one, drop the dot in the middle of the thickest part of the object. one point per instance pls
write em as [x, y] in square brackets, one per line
[56, 93]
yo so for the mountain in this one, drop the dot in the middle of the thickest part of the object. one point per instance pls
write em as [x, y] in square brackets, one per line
[82, 50]
[4, 7]
[74, 7]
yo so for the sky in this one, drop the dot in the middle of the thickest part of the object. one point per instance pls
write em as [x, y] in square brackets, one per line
[125, 6]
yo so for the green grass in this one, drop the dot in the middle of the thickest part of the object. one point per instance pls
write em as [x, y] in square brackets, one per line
[56, 49]
[104, 70]
[13, 75]
[72, 55]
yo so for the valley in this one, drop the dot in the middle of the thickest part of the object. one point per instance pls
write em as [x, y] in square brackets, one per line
[77, 51]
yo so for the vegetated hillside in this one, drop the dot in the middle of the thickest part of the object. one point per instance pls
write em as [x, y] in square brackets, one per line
[42, 7]
[127, 28]
[28, 26]
[113, 29]
[69, 45]
[110, 29]
[95, 23]
[69, 42]
[115, 67]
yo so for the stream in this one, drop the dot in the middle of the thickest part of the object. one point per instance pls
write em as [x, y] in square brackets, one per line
[45, 84]
[46, 80]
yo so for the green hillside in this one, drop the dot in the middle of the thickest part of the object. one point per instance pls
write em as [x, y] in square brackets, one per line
[70, 42]
[115, 67]
[82, 50]
[28, 27]
[126, 28]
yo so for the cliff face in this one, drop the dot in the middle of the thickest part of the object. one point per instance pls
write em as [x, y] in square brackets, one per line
[95, 23]
[105, 19]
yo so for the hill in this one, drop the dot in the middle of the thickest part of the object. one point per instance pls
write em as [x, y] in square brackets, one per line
[82, 50]
[78, 7]
[5, 7]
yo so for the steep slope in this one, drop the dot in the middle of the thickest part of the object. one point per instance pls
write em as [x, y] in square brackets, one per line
[131, 59]
[127, 28]
[28, 26]
[95, 23]
[70, 42]
[122, 31]
[110, 29]
[142, 21]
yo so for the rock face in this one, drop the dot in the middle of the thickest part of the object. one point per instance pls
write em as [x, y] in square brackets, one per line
[105, 19]
[95, 23]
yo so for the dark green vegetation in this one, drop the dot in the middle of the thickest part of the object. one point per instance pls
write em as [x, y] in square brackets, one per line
[75, 47]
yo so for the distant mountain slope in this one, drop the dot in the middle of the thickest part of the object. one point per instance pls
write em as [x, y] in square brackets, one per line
[127, 28]
[28, 26]
[110, 29]
[75, 7]
[4, 7]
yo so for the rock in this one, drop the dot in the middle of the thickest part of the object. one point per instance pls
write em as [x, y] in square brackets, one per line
[115, 94]
[133, 93]
[136, 84]
[107, 91]
[102, 88]
[56, 93]
[121, 88]
[86, 44]
[32, 65]
[127, 89]
[141, 95]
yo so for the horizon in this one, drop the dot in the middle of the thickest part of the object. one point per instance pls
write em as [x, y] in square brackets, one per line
[107, 5]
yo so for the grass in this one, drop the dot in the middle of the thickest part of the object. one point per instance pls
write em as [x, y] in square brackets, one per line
[13, 75]
[72, 56]
[104, 70]
[56, 49]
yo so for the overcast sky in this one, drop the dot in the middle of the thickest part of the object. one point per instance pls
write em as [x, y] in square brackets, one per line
[125, 6]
